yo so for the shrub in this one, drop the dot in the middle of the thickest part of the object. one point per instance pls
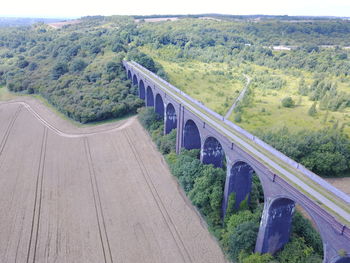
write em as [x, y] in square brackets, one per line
[288, 102]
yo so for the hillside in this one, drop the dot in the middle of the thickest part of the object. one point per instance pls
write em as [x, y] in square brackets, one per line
[77, 68]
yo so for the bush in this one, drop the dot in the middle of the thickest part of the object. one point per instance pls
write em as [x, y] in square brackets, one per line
[238, 117]
[288, 102]
[243, 239]
[58, 70]
[78, 65]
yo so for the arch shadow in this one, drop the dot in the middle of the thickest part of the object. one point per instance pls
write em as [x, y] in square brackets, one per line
[192, 138]
[171, 119]
[212, 152]
[129, 74]
[135, 81]
[150, 98]
[343, 260]
[142, 90]
[277, 227]
[239, 182]
[159, 106]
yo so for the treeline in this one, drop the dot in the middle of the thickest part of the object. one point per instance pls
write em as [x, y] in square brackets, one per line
[78, 68]
[326, 93]
[237, 42]
[237, 232]
[326, 152]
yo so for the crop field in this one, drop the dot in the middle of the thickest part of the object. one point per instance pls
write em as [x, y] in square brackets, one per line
[93, 194]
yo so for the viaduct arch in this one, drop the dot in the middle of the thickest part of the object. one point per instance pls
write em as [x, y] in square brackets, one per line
[280, 197]
[159, 106]
[142, 90]
[149, 98]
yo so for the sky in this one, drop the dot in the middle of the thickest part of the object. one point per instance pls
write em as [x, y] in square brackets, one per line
[78, 8]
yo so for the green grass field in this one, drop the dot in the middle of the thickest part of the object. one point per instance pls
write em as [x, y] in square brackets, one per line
[218, 84]
[5, 94]
[265, 110]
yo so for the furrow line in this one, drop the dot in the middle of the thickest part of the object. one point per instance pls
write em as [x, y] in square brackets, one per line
[33, 241]
[98, 206]
[162, 208]
[9, 128]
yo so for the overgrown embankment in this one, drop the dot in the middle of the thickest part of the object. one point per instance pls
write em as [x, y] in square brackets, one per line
[237, 232]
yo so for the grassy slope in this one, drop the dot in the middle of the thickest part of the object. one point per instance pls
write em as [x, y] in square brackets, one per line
[203, 81]
[266, 111]
[217, 92]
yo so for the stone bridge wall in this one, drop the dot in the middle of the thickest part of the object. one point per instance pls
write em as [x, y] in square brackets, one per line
[280, 197]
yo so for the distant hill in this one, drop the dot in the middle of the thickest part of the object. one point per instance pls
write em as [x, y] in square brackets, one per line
[20, 21]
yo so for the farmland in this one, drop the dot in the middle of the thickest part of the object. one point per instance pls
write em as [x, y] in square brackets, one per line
[93, 194]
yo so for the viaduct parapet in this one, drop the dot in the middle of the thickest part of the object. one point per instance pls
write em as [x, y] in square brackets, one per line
[285, 182]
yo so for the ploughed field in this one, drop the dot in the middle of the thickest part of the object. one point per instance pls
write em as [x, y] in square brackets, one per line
[95, 194]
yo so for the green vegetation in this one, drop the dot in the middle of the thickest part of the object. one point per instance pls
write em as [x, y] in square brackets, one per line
[237, 232]
[5, 94]
[288, 102]
[326, 152]
[305, 88]
[76, 68]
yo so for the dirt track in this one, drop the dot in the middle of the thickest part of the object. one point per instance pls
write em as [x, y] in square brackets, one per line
[96, 194]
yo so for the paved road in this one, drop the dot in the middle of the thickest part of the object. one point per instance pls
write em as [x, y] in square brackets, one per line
[248, 147]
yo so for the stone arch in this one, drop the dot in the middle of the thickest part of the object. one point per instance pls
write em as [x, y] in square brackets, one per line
[276, 224]
[129, 74]
[212, 152]
[159, 106]
[192, 137]
[142, 90]
[135, 81]
[343, 260]
[149, 98]
[171, 119]
[239, 181]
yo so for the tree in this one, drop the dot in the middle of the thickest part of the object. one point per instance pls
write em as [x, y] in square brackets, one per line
[58, 70]
[243, 239]
[288, 102]
[238, 117]
[118, 48]
[78, 65]
[297, 251]
[22, 63]
[256, 258]
[312, 111]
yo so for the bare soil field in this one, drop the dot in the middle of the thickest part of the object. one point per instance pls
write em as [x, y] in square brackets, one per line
[64, 23]
[341, 183]
[155, 20]
[95, 194]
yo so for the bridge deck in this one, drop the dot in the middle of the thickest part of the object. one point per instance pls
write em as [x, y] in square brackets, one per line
[335, 205]
[105, 197]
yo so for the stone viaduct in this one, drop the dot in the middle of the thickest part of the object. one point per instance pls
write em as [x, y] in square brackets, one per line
[218, 139]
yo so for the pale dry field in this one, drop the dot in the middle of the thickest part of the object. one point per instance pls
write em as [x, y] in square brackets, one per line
[95, 194]
[341, 183]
